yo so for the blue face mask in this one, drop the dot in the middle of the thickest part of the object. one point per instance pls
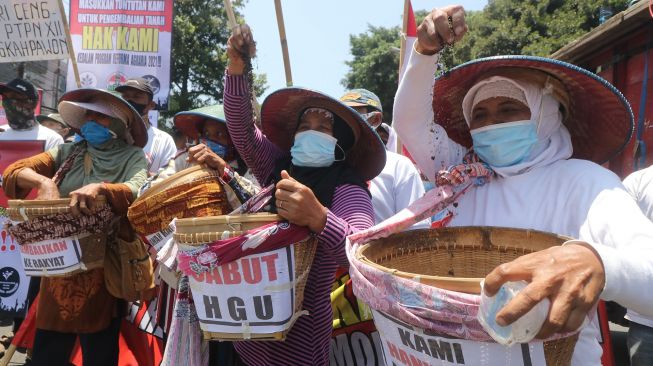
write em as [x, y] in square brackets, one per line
[217, 148]
[313, 149]
[96, 134]
[505, 144]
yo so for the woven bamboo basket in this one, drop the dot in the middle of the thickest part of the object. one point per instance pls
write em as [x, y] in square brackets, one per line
[192, 192]
[458, 258]
[92, 246]
[202, 230]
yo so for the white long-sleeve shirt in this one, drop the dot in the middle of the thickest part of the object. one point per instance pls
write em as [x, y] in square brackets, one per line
[576, 198]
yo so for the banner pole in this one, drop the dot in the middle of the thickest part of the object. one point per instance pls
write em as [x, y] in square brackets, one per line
[284, 42]
[71, 51]
[230, 14]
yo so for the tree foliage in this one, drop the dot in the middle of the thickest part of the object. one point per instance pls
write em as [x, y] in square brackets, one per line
[199, 57]
[503, 27]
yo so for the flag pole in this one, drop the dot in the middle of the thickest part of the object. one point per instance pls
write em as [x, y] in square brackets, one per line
[284, 42]
[402, 53]
[69, 40]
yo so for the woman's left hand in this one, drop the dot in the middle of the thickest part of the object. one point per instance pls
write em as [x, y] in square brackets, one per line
[83, 199]
[297, 204]
[201, 154]
[571, 276]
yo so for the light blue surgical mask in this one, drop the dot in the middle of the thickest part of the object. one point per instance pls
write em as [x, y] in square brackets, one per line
[96, 134]
[217, 148]
[313, 149]
[505, 144]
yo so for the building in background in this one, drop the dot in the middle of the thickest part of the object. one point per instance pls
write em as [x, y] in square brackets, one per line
[49, 76]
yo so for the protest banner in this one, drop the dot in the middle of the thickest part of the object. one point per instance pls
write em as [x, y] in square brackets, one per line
[32, 30]
[404, 344]
[115, 40]
[52, 257]
[13, 280]
[254, 294]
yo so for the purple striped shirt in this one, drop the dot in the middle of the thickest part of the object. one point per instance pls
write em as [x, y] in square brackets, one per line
[308, 341]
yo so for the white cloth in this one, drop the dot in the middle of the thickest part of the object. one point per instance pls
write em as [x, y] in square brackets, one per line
[160, 148]
[51, 138]
[576, 198]
[395, 188]
[554, 141]
[392, 138]
[640, 186]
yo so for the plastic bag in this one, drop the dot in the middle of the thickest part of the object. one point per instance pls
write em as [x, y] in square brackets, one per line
[524, 329]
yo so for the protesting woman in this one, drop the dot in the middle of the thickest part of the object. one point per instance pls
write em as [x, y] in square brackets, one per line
[207, 128]
[109, 161]
[541, 125]
[320, 153]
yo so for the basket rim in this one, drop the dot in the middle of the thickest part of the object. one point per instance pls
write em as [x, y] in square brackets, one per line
[28, 204]
[171, 180]
[461, 284]
[227, 219]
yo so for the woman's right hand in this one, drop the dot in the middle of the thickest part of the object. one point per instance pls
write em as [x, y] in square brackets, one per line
[47, 190]
[435, 32]
[240, 45]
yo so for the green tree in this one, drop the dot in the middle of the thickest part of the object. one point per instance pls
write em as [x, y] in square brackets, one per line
[375, 64]
[199, 57]
[503, 27]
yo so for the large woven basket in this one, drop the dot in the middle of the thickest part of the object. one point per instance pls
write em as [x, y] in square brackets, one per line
[202, 230]
[192, 192]
[92, 246]
[458, 258]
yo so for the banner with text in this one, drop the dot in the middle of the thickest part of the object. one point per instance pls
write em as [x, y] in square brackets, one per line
[13, 280]
[254, 294]
[32, 30]
[115, 40]
[407, 345]
[52, 257]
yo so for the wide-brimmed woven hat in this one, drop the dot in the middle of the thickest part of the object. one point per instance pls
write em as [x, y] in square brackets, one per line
[280, 115]
[74, 104]
[54, 117]
[190, 123]
[597, 115]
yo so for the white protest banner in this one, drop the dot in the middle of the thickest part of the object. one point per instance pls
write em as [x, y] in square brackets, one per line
[115, 40]
[407, 345]
[32, 30]
[253, 294]
[13, 281]
[52, 257]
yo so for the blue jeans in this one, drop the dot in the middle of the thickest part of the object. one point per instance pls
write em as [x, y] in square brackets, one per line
[640, 344]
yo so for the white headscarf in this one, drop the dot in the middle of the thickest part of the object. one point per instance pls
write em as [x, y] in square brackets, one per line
[554, 141]
[392, 138]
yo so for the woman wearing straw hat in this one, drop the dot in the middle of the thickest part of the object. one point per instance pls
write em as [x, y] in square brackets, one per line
[207, 127]
[541, 125]
[320, 153]
[108, 161]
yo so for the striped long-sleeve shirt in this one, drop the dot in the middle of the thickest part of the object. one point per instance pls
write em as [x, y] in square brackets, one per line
[309, 339]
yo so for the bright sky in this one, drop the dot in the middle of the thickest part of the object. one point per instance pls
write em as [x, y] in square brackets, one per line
[318, 36]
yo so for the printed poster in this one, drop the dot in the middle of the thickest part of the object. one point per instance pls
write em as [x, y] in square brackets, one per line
[32, 30]
[115, 40]
[14, 283]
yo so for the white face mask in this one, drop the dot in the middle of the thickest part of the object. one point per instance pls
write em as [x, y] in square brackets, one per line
[313, 149]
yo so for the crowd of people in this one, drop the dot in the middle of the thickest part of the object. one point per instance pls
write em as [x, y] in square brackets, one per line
[541, 126]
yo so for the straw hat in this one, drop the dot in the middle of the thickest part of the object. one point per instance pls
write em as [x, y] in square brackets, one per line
[190, 123]
[280, 115]
[597, 115]
[74, 104]
[54, 117]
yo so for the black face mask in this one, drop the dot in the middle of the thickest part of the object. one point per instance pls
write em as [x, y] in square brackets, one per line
[20, 113]
[140, 108]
